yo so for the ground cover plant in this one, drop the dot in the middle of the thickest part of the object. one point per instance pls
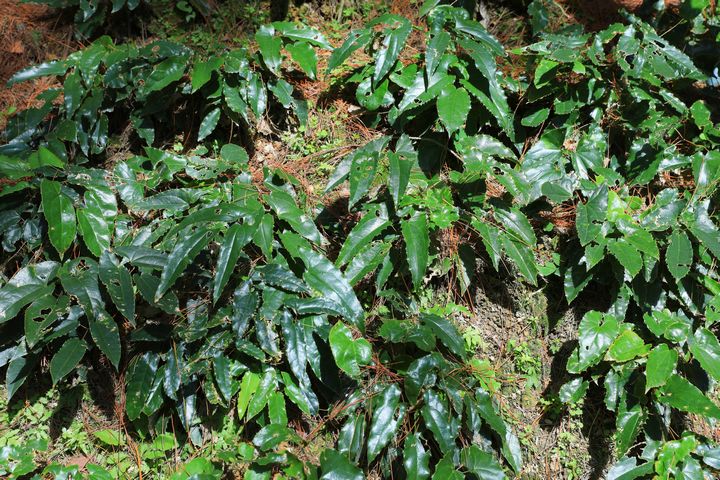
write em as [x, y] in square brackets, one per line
[253, 323]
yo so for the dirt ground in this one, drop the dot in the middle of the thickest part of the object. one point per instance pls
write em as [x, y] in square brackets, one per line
[29, 34]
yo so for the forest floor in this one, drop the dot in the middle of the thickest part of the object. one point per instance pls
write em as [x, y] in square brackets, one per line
[524, 335]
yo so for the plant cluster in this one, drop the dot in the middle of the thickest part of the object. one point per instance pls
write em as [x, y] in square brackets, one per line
[217, 289]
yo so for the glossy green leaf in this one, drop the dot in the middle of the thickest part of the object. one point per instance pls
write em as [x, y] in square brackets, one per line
[269, 47]
[686, 397]
[208, 124]
[322, 276]
[679, 254]
[305, 56]
[67, 358]
[392, 44]
[235, 238]
[660, 364]
[118, 283]
[705, 348]
[106, 334]
[350, 354]
[626, 346]
[140, 375]
[184, 252]
[446, 332]
[59, 214]
[387, 415]
[417, 244]
[453, 107]
[415, 458]
[248, 386]
[356, 39]
[439, 420]
[481, 463]
[510, 443]
[286, 209]
[597, 332]
[374, 222]
[336, 466]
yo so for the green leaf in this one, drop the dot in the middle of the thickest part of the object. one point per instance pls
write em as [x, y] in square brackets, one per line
[79, 278]
[417, 244]
[628, 469]
[453, 106]
[46, 157]
[362, 173]
[349, 354]
[591, 215]
[522, 256]
[270, 436]
[627, 346]
[223, 376]
[276, 409]
[356, 39]
[269, 47]
[351, 439]
[336, 466]
[445, 469]
[95, 220]
[305, 56]
[704, 229]
[627, 254]
[295, 350]
[536, 118]
[141, 374]
[202, 72]
[59, 214]
[706, 349]
[106, 334]
[67, 358]
[143, 257]
[394, 40]
[446, 332]
[17, 372]
[261, 395]
[440, 421]
[573, 391]
[235, 238]
[597, 332]
[481, 463]
[166, 72]
[53, 68]
[322, 276]
[660, 364]
[234, 154]
[373, 222]
[400, 168]
[208, 124]
[384, 420]
[415, 458]
[683, 395]
[118, 282]
[248, 386]
[510, 443]
[679, 254]
[184, 252]
[629, 424]
[284, 206]
[110, 437]
[18, 293]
